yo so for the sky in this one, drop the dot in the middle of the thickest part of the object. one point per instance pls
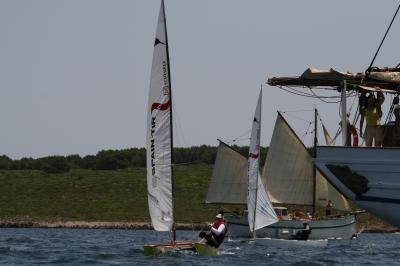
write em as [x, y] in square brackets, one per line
[74, 75]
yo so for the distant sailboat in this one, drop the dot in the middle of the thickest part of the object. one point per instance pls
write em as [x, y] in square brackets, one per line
[261, 211]
[159, 145]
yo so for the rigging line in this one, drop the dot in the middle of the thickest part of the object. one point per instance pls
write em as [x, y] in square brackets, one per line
[384, 37]
[237, 140]
[297, 92]
[175, 164]
[306, 130]
[178, 127]
[240, 136]
[319, 98]
[351, 107]
[295, 111]
[352, 104]
[299, 118]
[314, 95]
[337, 135]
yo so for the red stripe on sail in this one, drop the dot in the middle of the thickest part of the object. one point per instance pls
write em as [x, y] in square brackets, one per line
[160, 106]
[253, 156]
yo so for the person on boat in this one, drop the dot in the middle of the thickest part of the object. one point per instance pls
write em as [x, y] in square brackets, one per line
[328, 208]
[217, 232]
[298, 215]
[372, 114]
[304, 233]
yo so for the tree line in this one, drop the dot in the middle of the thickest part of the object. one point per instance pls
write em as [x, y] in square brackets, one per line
[115, 159]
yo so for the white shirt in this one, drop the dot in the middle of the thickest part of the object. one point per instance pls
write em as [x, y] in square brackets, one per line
[219, 231]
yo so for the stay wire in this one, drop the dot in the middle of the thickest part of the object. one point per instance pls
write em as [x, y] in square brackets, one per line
[304, 94]
[384, 37]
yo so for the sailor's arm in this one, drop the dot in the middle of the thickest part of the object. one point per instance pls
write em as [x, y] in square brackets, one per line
[381, 97]
[219, 231]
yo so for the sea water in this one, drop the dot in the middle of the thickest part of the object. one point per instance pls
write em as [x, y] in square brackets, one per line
[125, 247]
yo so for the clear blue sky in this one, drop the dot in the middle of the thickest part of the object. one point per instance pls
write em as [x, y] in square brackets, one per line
[74, 74]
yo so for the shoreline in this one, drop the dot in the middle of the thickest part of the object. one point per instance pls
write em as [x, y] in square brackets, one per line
[144, 226]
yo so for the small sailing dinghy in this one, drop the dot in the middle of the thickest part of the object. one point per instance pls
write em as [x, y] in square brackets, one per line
[159, 145]
[260, 210]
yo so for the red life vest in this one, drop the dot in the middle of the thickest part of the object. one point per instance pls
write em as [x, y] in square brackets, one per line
[219, 238]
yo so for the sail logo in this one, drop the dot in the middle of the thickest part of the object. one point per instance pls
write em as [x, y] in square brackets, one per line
[253, 155]
[157, 41]
[161, 107]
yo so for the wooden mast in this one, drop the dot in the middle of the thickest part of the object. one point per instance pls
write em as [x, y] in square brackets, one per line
[315, 156]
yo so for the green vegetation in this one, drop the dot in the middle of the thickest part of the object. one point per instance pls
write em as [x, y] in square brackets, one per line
[98, 195]
[115, 159]
[109, 186]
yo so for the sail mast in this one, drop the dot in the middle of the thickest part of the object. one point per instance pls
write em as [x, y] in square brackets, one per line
[315, 156]
[258, 116]
[171, 124]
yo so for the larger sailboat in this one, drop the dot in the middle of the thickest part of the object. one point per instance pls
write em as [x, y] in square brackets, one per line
[289, 176]
[369, 176]
[159, 145]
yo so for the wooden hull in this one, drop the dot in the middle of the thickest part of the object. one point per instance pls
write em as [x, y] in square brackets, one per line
[205, 250]
[156, 249]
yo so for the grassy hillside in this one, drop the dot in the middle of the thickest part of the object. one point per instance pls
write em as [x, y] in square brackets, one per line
[95, 195]
[118, 195]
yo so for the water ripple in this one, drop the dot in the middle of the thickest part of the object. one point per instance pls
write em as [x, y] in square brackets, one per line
[125, 247]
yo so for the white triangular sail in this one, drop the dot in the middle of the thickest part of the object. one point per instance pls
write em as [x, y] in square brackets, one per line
[260, 210]
[288, 172]
[159, 134]
[229, 179]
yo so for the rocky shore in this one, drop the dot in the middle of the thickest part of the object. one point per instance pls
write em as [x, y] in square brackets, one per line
[12, 223]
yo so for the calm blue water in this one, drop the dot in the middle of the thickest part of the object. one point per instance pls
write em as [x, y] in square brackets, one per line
[125, 247]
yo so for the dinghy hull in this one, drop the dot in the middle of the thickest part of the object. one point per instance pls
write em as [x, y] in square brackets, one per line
[156, 249]
[205, 250]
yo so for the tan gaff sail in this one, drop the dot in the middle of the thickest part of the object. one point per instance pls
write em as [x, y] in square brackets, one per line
[229, 179]
[159, 134]
[288, 172]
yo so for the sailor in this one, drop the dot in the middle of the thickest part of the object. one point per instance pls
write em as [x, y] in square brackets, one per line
[372, 114]
[304, 233]
[328, 208]
[217, 232]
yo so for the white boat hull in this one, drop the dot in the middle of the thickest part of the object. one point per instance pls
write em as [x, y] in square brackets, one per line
[375, 186]
[335, 228]
[283, 243]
